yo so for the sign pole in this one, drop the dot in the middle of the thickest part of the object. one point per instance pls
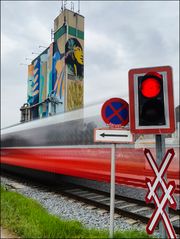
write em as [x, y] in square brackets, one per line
[114, 111]
[160, 150]
[112, 196]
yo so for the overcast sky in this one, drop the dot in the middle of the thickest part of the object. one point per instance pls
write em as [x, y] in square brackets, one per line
[119, 36]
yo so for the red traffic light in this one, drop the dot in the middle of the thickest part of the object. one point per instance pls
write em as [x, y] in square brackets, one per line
[151, 103]
[151, 85]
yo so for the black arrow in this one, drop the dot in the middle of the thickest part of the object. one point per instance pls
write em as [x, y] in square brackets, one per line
[114, 135]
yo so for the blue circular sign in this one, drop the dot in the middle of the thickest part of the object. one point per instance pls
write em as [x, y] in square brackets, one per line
[115, 111]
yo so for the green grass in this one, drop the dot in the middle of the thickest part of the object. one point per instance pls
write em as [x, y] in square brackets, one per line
[28, 219]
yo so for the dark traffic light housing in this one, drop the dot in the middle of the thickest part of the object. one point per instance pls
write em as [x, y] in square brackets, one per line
[151, 100]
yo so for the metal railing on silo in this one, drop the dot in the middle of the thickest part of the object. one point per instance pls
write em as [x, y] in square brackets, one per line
[27, 110]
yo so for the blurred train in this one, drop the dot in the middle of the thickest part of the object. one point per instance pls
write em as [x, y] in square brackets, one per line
[63, 144]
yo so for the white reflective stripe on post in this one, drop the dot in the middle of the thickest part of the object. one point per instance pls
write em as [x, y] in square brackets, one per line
[112, 199]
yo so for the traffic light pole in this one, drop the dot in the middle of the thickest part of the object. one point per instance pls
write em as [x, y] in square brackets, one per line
[160, 151]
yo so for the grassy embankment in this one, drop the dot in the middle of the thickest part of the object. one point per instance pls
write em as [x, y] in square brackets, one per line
[28, 219]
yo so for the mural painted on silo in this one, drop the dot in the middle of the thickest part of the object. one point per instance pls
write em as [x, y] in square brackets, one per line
[58, 73]
[35, 89]
[43, 109]
[75, 71]
[30, 84]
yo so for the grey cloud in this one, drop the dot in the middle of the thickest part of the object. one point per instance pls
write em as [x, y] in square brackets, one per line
[146, 31]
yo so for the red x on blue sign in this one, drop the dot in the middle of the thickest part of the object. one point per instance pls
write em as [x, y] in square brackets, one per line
[115, 112]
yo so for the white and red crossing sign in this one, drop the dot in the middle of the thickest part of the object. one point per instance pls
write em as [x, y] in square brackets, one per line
[167, 195]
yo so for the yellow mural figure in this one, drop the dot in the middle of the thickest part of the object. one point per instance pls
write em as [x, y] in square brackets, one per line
[74, 58]
[78, 53]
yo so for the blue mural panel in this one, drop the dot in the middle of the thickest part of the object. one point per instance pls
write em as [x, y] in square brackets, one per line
[30, 84]
[36, 79]
[58, 75]
[43, 109]
[35, 89]
[49, 69]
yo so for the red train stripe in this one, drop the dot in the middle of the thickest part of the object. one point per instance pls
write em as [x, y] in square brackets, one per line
[89, 163]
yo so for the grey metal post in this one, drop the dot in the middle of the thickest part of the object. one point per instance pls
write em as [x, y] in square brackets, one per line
[160, 152]
[112, 196]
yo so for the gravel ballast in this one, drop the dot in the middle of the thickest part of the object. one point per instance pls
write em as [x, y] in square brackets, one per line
[69, 209]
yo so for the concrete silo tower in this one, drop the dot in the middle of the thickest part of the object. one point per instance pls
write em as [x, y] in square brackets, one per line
[68, 60]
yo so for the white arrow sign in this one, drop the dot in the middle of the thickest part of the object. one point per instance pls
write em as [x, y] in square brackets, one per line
[113, 136]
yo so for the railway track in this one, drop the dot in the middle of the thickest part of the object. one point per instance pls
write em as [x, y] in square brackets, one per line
[136, 210]
[125, 206]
